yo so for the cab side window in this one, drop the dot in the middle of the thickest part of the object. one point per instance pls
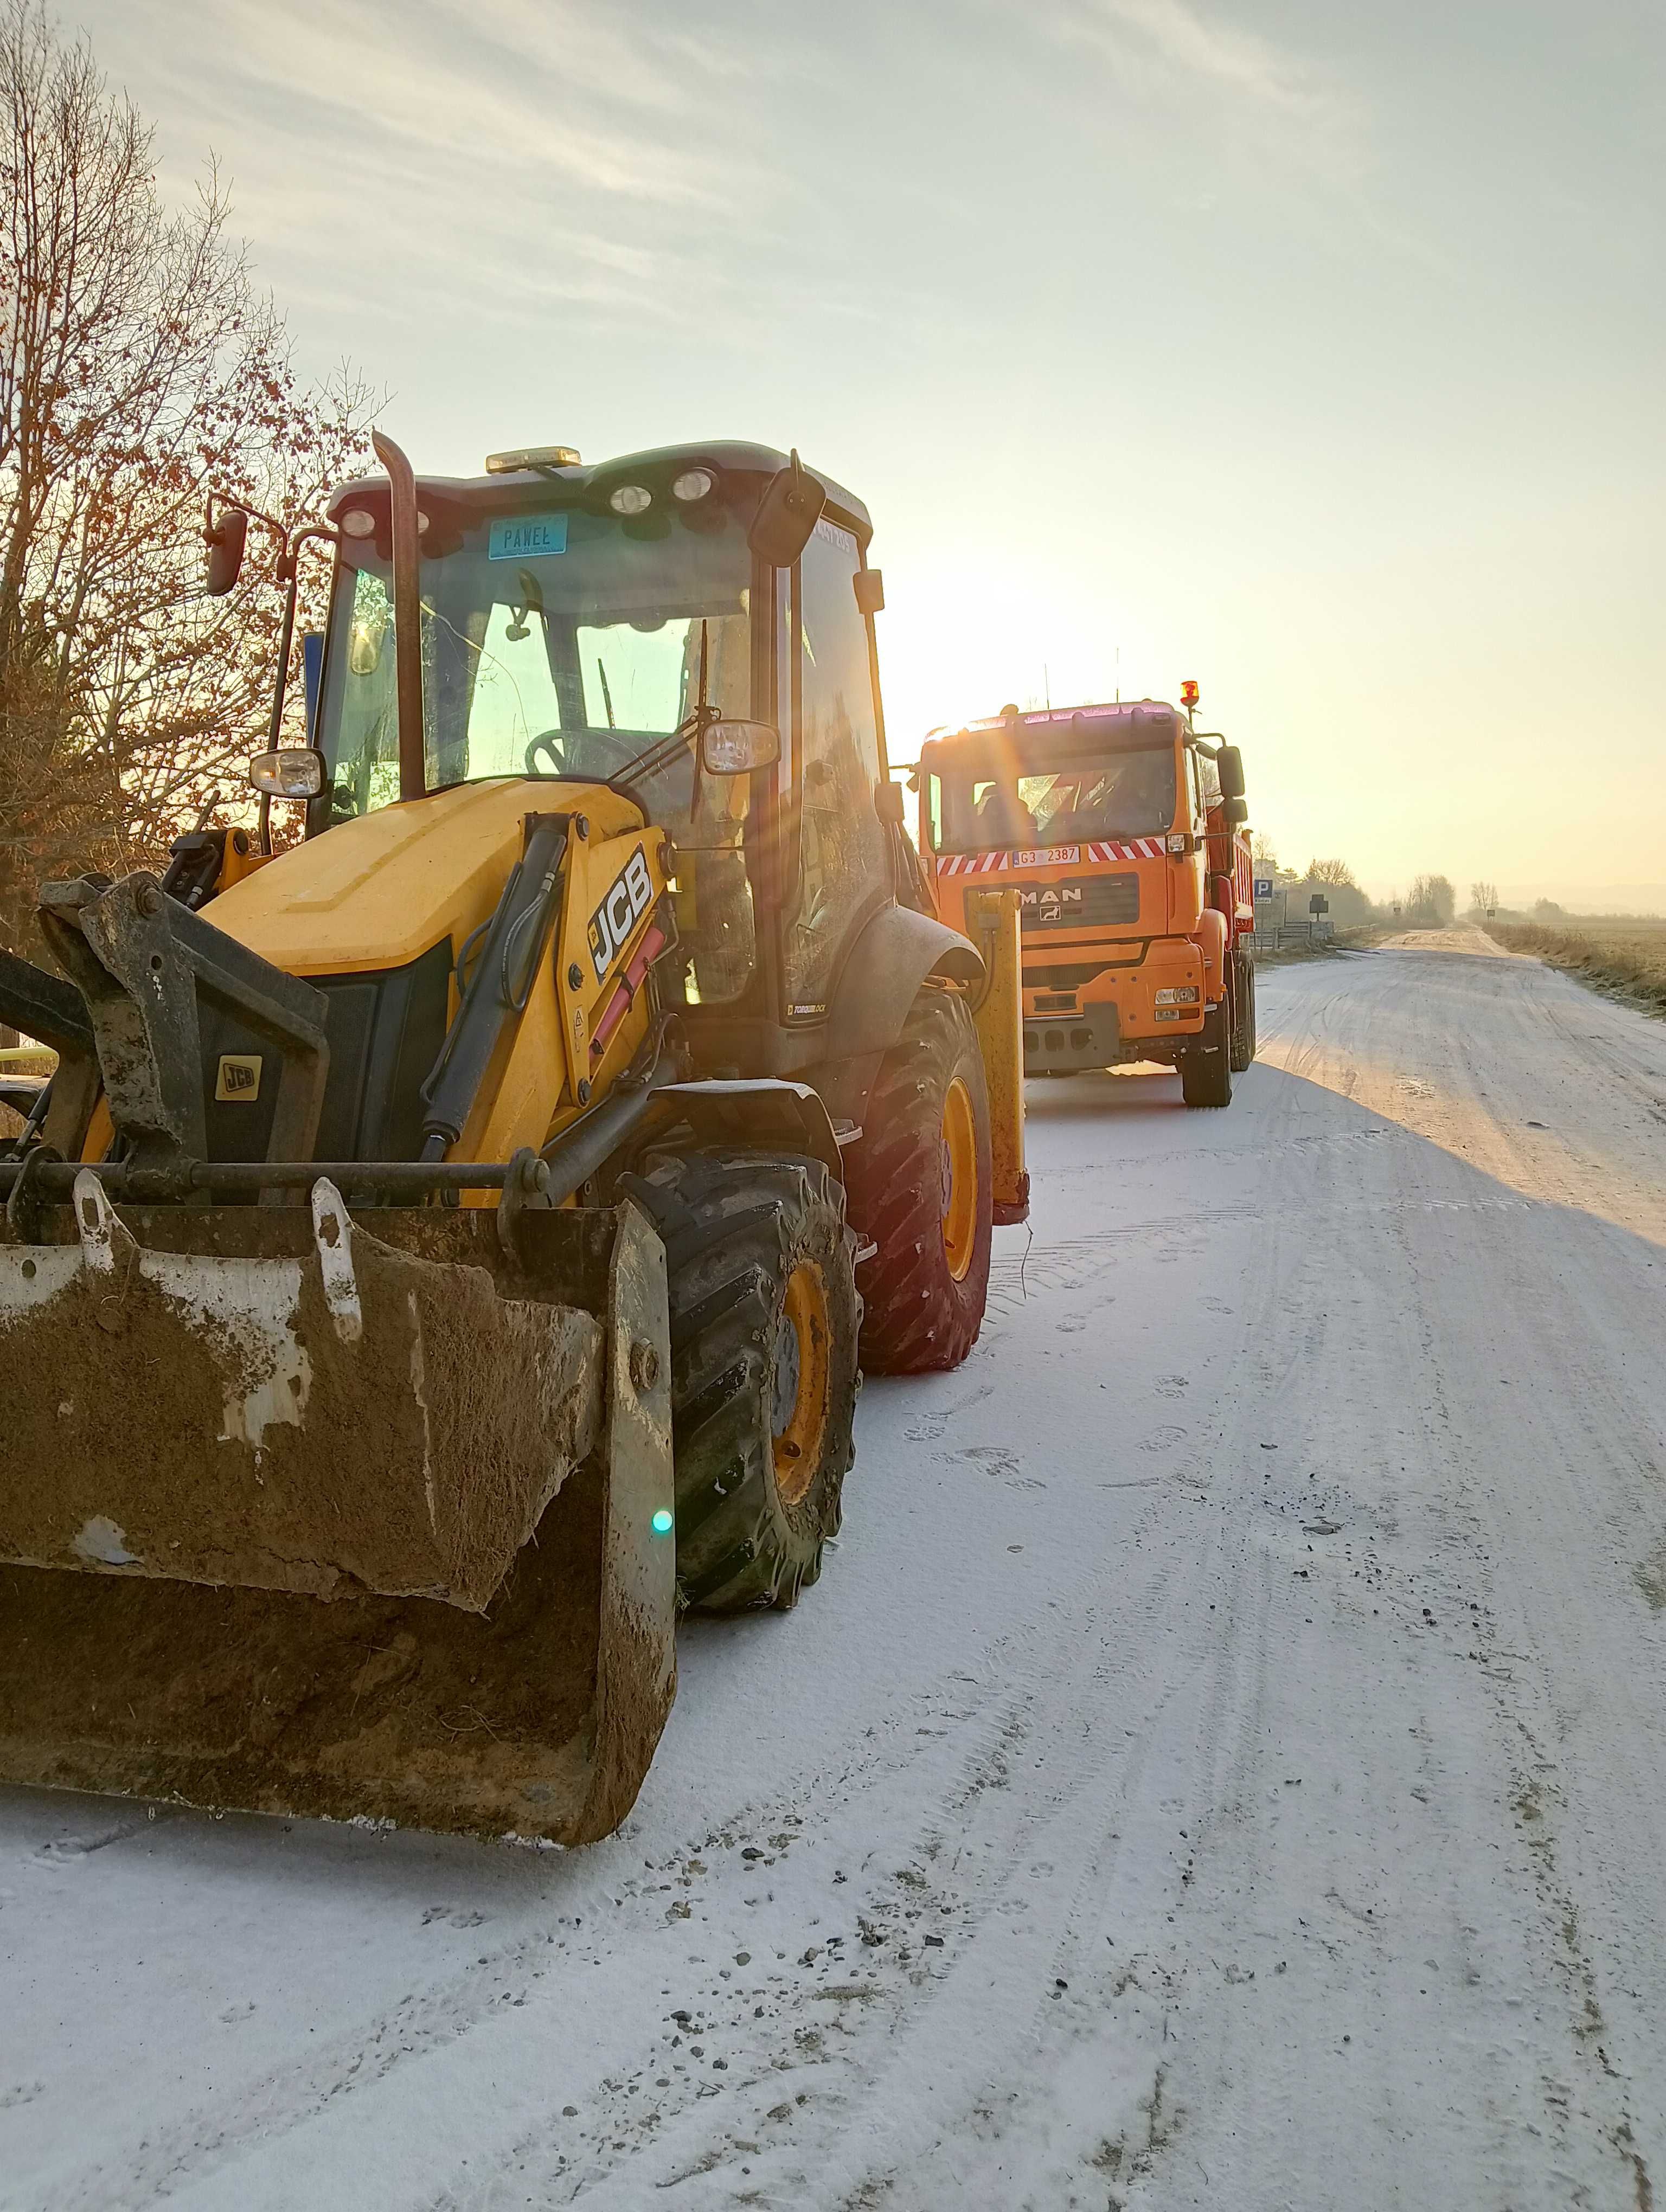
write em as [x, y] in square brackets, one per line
[843, 851]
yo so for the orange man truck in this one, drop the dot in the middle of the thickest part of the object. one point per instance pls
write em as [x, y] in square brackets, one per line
[1122, 827]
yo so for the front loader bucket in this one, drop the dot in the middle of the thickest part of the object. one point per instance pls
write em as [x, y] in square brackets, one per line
[303, 1518]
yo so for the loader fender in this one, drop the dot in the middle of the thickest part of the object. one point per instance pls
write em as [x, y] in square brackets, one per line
[760, 1114]
[882, 974]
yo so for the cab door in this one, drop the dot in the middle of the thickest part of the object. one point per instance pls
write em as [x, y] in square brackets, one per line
[843, 872]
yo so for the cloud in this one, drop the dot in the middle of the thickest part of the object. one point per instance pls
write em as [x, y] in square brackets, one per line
[438, 152]
[1165, 51]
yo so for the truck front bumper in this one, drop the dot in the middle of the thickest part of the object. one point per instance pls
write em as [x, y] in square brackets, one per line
[1060, 1044]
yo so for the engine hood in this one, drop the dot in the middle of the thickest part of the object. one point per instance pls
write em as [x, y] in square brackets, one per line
[381, 890]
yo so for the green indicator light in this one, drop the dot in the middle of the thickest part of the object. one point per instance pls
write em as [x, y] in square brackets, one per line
[662, 1522]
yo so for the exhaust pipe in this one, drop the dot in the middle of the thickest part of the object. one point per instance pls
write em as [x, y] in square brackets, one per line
[407, 617]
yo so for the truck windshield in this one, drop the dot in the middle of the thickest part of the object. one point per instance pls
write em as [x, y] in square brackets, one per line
[557, 642]
[1024, 801]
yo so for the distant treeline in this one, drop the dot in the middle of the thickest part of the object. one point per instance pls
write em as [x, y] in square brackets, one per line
[1430, 903]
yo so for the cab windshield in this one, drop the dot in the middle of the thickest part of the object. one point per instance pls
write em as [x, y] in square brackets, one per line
[1029, 793]
[555, 642]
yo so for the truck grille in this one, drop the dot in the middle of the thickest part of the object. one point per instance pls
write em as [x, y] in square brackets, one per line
[1080, 902]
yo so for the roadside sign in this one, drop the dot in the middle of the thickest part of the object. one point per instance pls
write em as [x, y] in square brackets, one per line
[1317, 905]
[1263, 888]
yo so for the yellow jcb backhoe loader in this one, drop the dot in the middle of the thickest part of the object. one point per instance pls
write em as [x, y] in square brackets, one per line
[448, 1245]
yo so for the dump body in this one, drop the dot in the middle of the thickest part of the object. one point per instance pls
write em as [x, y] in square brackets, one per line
[1134, 891]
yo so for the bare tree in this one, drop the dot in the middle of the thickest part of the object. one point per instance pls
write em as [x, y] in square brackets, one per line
[139, 365]
[1332, 871]
[1484, 899]
[1432, 902]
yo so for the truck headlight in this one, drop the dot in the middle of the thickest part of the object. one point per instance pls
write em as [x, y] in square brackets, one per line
[1184, 994]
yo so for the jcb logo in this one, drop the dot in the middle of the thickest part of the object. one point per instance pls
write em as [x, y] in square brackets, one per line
[239, 1077]
[619, 911]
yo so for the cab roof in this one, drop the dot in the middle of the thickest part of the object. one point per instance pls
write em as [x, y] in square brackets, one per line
[1128, 717]
[728, 458]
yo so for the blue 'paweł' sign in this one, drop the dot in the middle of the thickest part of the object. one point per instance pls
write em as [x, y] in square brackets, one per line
[526, 537]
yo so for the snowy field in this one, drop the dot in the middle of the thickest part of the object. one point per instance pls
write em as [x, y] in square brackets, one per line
[1221, 1764]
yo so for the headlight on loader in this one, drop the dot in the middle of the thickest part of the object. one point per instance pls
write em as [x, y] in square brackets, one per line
[1184, 994]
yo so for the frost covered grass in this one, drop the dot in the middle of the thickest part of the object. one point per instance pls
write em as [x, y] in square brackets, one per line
[1617, 951]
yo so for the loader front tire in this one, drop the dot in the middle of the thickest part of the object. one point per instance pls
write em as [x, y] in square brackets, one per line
[764, 1318]
[921, 1189]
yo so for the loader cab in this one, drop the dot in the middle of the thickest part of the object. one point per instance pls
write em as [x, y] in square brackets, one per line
[575, 621]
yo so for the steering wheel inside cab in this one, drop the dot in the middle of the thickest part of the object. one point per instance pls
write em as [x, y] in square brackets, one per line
[581, 752]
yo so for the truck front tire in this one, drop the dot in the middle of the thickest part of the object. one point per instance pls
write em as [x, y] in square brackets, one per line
[1206, 1067]
[1244, 1011]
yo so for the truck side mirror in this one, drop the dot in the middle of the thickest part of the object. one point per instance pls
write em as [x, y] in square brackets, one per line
[789, 510]
[225, 539]
[1236, 812]
[870, 586]
[1229, 764]
[889, 803]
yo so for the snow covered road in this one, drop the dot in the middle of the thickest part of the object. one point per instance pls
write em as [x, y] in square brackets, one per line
[1224, 1763]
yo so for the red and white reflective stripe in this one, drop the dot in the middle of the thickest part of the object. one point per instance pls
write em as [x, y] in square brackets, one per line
[1140, 849]
[1056, 856]
[973, 863]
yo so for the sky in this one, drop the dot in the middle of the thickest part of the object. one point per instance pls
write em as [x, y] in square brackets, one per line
[1313, 351]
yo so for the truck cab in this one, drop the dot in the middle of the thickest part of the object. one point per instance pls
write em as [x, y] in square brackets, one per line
[1123, 829]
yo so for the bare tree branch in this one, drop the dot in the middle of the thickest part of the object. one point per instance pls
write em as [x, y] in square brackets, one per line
[140, 366]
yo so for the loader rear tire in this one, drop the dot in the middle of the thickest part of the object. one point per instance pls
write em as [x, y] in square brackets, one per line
[764, 1318]
[920, 1187]
[1205, 1068]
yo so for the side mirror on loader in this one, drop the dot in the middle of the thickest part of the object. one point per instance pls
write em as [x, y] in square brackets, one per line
[789, 510]
[225, 538]
[293, 772]
[735, 748]
[1229, 764]
[1236, 812]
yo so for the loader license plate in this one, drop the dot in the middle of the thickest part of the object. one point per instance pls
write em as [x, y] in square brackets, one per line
[619, 911]
[527, 537]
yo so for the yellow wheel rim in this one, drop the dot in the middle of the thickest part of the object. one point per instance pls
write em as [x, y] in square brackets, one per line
[960, 1192]
[803, 1367]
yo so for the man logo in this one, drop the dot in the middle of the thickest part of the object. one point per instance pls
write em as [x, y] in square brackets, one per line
[1050, 902]
[239, 1080]
[619, 911]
